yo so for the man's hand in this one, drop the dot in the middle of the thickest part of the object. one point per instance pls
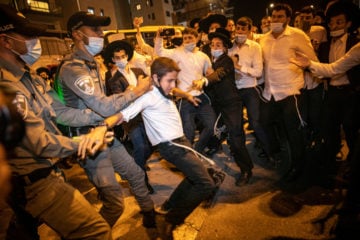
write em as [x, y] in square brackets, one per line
[194, 100]
[144, 84]
[92, 141]
[138, 21]
[300, 60]
[198, 84]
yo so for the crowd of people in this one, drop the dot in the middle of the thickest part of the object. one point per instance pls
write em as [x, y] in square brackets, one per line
[183, 100]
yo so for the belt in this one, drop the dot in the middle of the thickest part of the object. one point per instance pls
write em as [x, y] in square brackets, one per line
[34, 176]
[77, 131]
[180, 139]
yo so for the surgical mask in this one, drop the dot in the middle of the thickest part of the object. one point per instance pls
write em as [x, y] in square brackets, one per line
[240, 38]
[121, 63]
[277, 27]
[34, 50]
[190, 46]
[337, 33]
[96, 44]
[217, 53]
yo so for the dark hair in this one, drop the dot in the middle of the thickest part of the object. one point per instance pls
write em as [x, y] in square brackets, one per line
[162, 65]
[245, 21]
[285, 7]
[308, 9]
[190, 31]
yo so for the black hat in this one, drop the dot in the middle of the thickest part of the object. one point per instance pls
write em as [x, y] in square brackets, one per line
[223, 34]
[12, 20]
[42, 69]
[83, 18]
[210, 19]
[193, 21]
[117, 46]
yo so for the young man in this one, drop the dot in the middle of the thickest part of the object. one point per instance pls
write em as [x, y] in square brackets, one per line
[224, 95]
[283, 84]
[164, 129]
[37, 191]
[194, 65]
[81, 85]
[120, 77]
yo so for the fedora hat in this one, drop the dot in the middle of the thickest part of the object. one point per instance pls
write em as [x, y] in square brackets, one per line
[116, 46]
[223, 34]
[210, 19]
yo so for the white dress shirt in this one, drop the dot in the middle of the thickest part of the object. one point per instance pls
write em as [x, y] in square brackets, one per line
[349, 60]
[161, 117]
[337, 51]
[251, 62]
[193, 65]
[282, 78]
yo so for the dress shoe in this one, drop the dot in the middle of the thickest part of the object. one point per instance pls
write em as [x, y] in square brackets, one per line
[165, 229]
[243, 179]
[164, 208]
[149, 219]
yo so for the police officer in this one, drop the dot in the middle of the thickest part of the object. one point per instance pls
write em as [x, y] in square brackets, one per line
[37, 191]
[80, 84]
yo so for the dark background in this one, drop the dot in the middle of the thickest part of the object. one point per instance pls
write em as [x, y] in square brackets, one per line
[256, 9]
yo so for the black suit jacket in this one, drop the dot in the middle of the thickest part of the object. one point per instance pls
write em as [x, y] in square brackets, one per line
[354, 73]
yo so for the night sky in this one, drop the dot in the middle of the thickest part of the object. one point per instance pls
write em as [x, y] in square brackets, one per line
[256, 9]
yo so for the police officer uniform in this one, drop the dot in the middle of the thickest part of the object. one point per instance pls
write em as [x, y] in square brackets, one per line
[37, 191]
[82, 87]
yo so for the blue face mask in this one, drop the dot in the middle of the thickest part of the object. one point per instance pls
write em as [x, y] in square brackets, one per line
[33, 53]
[95, 45]
[217, 53]
[121, 63]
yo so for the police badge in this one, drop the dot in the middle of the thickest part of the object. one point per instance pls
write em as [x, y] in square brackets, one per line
[85, 85]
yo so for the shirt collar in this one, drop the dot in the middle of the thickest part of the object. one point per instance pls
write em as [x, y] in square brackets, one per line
[13, 72]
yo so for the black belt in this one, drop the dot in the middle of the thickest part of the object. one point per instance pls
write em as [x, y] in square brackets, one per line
[179, 140]
[34, 176]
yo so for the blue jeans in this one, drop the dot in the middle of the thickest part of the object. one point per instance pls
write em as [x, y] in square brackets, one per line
[101, 172]
[206, 116]
[196, 186]
[250, 98]
[141, 145]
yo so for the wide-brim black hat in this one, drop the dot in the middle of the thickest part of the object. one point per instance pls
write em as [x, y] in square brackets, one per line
[193, 21]
[83, 18]
[116, 46]
[12, 20]
[223, 34]
[212, 18]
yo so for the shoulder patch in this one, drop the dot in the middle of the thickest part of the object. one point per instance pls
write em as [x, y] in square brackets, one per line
[21, 105]
[85, 84]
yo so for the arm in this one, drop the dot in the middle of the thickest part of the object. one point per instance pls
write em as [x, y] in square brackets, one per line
[140, 40]
[159, 47]
[256, 68]
[180, 93]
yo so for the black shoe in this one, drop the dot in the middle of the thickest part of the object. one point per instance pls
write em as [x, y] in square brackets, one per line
[243, 179]
[217, 176]
[165, 229]
[292, 175]
[150, 188]
[164, 208]
[149, 219]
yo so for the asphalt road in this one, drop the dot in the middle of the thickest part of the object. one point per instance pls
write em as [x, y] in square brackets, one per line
[237, 212]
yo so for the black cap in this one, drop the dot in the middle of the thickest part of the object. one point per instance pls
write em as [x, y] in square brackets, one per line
[12, 20]
[223, 34]
[83, 18]
[117, 46]
[210, 19]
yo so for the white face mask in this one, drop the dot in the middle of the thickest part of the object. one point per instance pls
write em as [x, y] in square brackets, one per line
[34, 50]
[240, 38]
[190, 46]
[217, 53]
[121, 63]
[96, 44]
[277, 27]
[337, 33]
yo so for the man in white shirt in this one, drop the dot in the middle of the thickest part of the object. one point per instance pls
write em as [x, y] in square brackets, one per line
[248, 62]
[342, 98]
[194, 65]
[283, 83]
[164, 129]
